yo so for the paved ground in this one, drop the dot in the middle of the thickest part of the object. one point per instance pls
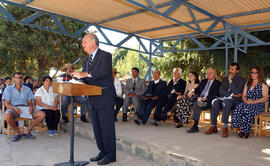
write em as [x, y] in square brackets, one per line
[45, 151]
[213, 149]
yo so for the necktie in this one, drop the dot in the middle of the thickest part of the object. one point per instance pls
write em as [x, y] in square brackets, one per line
[134, 85]
[90, 62]
[205, 90]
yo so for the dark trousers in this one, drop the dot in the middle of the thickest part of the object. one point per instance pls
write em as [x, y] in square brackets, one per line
[158, 112]
[226, 107]
[118, 104]
[197, 111]
[170, 102]
[146, 109]
[104, 131]
[52, 118]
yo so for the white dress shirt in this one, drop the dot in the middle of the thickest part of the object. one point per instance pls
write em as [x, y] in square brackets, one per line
[118, 87]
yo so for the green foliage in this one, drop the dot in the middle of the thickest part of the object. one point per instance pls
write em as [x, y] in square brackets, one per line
[32, 51]
[125, 60]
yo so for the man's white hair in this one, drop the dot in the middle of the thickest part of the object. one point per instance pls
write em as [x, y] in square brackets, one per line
[179, 70]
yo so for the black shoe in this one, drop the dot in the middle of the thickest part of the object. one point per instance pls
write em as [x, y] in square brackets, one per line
[193, 129]
[137, 121]
[105, 161]
[83, 119]
[124, 117]
[65, 119]
[115, 119]
[179, 126]
[97, 158]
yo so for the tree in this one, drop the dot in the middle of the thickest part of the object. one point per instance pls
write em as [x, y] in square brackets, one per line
[32, 51]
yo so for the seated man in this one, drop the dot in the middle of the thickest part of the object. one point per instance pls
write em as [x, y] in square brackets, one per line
[176, 87]
[232, 86]
[118, 98]
[156, 93]
[17, 95]
[66, 100]
[134, 89]
[206, 92]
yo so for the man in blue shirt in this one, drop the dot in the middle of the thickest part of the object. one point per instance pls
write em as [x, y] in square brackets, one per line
[17, 95]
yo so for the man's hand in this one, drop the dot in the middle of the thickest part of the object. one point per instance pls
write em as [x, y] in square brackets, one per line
[80, 74]
[154, 98]
[17, 110]
[54, 108]
[230, 77]
[131, 94]
[178, 97]
[201, 98]
[31, 110]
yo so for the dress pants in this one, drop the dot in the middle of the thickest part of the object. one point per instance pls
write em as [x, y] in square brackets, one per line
[197, 111]
[104, 131]
[118, 104]
[66, 100]
[146, 109]
[136, 101]
[226, 107]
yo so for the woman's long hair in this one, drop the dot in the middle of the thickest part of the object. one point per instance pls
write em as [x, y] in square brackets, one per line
[197, 81]
[260, 76]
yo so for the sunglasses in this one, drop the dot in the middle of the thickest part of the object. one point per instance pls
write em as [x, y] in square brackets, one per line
[18, 77]
[253, 72]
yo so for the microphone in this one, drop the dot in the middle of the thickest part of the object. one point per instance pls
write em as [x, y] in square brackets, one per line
[77, 60]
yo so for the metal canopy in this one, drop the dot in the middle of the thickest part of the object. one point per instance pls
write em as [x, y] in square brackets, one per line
[151, 22]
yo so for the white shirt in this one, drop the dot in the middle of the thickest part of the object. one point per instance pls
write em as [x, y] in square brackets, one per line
[156, 81]
[118, 87]
[46, 98]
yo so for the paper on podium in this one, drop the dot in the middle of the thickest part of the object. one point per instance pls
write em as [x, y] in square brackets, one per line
[25, 112]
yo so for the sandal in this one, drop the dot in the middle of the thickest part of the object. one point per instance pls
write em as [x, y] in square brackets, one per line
[240, 135]
[29, 136]
[16, 138]
[245, 136]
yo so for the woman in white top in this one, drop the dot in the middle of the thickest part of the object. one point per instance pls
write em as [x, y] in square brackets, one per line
[47, 101]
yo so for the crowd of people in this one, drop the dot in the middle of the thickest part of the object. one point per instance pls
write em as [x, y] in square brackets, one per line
[184, 100]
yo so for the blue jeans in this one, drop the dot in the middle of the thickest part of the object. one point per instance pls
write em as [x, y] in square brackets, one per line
[66, 100]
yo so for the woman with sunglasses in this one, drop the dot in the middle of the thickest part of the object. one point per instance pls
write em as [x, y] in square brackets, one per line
[255, 93]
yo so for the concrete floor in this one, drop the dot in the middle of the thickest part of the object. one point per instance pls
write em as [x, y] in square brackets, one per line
[213, 149]
[46, 151]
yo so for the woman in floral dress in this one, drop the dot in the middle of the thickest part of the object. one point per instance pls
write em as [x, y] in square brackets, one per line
[255, 93]
[183, 106]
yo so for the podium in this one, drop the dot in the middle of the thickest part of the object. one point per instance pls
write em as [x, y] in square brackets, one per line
[71, 89]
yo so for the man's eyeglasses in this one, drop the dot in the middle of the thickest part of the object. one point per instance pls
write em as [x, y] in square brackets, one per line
[18, 77]
[253, 72]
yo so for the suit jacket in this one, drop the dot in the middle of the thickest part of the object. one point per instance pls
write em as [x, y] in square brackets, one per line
[101, 72]
[213, 91]
[140, 86]
[161, 90]
[236, 87]
[180, 86]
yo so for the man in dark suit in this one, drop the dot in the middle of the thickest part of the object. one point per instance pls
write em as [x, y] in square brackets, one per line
[156, 93]
[176, 87]
[97, 70]
[206, 92]
[231, 87]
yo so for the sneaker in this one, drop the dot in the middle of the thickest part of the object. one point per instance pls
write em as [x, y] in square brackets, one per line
[50, 133]
[55, 132]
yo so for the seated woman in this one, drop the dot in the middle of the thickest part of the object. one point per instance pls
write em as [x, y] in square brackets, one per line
[183, 106]
[47, 102]
[255, 93]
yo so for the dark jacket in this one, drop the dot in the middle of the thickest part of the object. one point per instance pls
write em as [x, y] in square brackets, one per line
[213, 91]
[180, 86]
[101, 72]
[161, 90]
[236, 87]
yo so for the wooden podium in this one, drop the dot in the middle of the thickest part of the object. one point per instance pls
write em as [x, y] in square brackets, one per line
[71, 89]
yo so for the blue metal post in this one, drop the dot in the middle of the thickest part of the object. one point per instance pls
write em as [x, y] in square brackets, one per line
[235, 46]
[139, 59]
[226, 51]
